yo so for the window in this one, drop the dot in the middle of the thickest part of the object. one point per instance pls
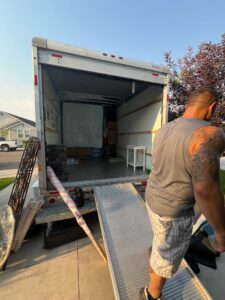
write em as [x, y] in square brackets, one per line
[27, 133]
[20, 133]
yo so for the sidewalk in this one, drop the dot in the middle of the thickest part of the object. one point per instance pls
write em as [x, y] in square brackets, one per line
[13, 172]
[5, 193]
[8, 173]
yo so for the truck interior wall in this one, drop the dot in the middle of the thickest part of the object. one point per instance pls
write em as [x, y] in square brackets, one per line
[138, 119]
[51, 110]
[82, 125]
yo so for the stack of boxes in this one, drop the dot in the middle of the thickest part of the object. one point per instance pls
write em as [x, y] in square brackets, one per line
[112, 133]
[78, 152]
[112, 137]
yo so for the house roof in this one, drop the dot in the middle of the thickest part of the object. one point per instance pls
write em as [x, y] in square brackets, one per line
[24, 120]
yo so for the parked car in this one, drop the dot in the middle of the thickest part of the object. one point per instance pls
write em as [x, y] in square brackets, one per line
[9, 145]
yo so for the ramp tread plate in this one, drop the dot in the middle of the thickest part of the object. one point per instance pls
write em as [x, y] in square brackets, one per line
[127, 236]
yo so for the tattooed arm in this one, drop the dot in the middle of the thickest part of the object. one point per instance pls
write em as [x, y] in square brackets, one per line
[206, 146]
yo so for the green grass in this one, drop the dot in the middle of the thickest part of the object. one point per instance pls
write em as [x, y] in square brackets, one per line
[222, 180]
[6, 181]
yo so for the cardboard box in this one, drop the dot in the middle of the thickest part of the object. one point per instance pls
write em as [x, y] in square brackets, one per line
[112, 125]
[84, 152]
[112, 135]
[72, 152]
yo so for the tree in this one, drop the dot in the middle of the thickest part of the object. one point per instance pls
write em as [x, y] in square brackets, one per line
[205, 68]
[4, 132]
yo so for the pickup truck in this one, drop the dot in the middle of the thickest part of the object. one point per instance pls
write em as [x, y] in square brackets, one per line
[9, 145]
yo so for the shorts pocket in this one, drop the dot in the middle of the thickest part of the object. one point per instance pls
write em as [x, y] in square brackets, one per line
[185, 225]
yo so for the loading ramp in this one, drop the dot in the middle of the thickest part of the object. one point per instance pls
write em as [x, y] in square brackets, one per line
[127, 236]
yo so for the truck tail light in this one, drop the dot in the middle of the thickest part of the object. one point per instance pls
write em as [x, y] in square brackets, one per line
[57, 55]
[54, 193]
[51, 200]
[144, 182]
[155, 74]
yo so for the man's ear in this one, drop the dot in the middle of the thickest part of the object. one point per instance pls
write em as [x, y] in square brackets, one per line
[212, 107]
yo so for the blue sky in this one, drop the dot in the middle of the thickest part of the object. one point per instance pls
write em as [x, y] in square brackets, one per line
[140, 29]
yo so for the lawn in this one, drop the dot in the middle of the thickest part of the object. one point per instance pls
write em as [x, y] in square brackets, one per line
[6, 181]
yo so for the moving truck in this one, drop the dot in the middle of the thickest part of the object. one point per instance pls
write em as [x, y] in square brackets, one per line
[94, 105]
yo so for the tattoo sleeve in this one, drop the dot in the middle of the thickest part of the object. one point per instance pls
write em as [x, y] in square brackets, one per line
[205, 161]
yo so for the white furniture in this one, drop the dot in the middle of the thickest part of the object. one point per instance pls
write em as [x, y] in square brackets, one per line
[137, 152]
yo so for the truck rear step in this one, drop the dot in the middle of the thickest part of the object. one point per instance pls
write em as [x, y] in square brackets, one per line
[55, 212]
[127, 236]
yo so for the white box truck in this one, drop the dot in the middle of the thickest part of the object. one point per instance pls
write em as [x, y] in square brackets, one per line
[93, 102]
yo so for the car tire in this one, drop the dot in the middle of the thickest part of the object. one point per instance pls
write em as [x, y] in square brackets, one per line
[5, 148]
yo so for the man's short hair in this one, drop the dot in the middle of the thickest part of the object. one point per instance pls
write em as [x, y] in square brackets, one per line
[202, 97]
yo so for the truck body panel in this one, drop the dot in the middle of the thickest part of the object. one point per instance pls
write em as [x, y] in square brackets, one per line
[77, 92]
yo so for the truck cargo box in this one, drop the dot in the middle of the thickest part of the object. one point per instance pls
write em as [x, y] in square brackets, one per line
[95, 105]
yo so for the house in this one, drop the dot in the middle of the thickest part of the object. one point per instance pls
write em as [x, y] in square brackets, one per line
[13, 127]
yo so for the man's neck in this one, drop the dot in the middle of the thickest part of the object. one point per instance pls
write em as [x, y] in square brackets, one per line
[192, 113]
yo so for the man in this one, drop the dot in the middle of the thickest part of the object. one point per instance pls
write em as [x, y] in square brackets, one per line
[185, 170]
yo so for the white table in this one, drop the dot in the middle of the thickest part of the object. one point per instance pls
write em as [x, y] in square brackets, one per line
[136, 163]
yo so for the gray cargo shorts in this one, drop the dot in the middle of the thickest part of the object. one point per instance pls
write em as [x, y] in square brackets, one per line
[171, 238]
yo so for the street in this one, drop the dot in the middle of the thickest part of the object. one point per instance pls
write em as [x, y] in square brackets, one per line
[9, 163]
[10, 160]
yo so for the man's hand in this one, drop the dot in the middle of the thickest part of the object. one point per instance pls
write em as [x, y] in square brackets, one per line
[219, 243]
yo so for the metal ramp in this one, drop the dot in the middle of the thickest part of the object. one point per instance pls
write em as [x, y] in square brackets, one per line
[127, 236]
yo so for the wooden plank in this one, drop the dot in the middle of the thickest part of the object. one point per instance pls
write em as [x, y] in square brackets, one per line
[25, 221]
[94, 278]
[62, 212]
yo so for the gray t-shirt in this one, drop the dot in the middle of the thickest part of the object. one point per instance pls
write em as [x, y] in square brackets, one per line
[169, 190]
